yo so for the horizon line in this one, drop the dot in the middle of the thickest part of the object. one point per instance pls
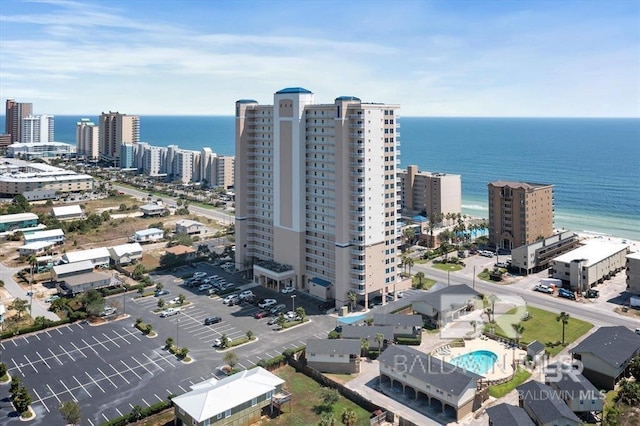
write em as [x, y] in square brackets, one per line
[401, 116]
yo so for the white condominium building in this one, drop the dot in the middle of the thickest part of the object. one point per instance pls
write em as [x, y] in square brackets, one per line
[433, 193]
[37, 129]
[87, 139]
[317, 200]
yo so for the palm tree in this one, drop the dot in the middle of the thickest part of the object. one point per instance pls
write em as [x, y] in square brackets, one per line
[519, 329]
[420, 276]
[352, 296]
[408, 235]
[564, 317]
[327, 419]
[408, 261]
[379, 339]
[349, 417]
[364, 346]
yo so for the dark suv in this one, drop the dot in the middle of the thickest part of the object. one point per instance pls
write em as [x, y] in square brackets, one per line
[212, 320]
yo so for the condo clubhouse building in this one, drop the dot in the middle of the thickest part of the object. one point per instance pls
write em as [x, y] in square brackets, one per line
[317, 194]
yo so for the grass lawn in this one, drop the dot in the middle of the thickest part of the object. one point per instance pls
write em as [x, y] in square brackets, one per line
[498, 391]
[544, 328]
[305, 402]
[341, 378]
[427, 283]
[452, 267]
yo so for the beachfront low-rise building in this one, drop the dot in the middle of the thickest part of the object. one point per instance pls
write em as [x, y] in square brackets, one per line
[35, 248]
[190, 227]
[440, 306]
[125, 254]
[432, 193]
[55, 236]
[153, 209]
[17, 222]
[32, 150]
[147, 235]
[538, 255]
[590, 264]
[99, 257]
[334, 355]
[73, 212]
[633, 272]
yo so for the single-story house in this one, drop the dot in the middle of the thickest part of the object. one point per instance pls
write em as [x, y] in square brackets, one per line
[183, 252]
[125, 253]
[403, 325]
[36, 248]
[574, 389]
[429, 381]
[369, 332]
[75, 284]
[334, 355]
[147, 235]
[544, 405]
[67, 212]
[153, 210]
[606, 355]
[508, 415]
[14, 222]
[191, 227]
[98, 256]
[442, 305]
[236, 400]
[59, 272]
[55, 236]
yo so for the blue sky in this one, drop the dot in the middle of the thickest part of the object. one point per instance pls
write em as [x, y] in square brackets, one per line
[434, 58]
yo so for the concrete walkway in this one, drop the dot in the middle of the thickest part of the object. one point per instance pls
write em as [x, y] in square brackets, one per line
[14, 289]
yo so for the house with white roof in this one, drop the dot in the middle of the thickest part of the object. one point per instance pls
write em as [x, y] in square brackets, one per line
[125, 253]
[235, 400]
[67, 212]
[55, 236]
[78, 277]
[191, 227]
[98, 256]
[38, 247]
[15, 222]
[147, 235]
[590, 264]
[153, 209]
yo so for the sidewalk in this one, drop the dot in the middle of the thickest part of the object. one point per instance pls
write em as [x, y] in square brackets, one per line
[14, 289]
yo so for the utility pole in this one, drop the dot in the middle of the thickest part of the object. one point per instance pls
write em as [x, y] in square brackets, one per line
[474, 277]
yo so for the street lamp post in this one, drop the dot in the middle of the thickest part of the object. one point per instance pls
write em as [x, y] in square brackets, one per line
[177, 332]
[448, 280]
[293, 302]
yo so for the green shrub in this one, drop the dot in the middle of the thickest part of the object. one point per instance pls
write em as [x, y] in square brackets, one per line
[408, 341]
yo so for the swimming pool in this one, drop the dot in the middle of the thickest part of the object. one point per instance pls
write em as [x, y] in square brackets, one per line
[478, 362]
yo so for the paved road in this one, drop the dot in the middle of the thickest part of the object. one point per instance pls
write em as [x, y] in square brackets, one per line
[210, 213]
[39, 307]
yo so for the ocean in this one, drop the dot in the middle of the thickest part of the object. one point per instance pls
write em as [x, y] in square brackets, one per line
[594, 164]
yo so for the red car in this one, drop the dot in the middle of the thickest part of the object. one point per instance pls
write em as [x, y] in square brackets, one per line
[261, 314]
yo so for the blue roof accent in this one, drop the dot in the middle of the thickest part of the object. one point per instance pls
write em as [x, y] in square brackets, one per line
[246, 101]
[419, 218]
[352, 319]
[320, 281]
[348, 98]
[293, 90]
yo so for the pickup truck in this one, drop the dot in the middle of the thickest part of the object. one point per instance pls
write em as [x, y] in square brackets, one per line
[169, 312]
[543, 288]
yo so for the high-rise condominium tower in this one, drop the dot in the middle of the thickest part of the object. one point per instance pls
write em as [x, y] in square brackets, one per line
[316, 194]
[87, 139]
[15, 113]
[116, 129]
[434, 193]
[37, 129]
[519, 213]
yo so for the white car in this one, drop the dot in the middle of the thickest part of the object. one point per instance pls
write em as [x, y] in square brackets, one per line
[205, 287]
[267, 303]
[174, 301]
[286, 290]
[51, 298]
[232, 298]
[199, 275]
[247, 294]
[290, 315]
[169, 312]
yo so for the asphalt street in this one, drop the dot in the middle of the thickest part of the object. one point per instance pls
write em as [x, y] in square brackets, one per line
[39, 307]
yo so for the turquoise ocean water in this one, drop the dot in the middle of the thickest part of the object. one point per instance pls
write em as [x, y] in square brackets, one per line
[593, 163]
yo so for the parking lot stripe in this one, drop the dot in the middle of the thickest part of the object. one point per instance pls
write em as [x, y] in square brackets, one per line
[37, 337]
[41, 401]
[58, 330]
[131, 334]
[105, 417]
[47, 333]
[89, 420]
[107, 377]
[131, 369]
[89, 346]
[164, 358]
[183, 389]
[154, 363]
[55, 356]
[141, 365]
[54, 394]
[242, 366]
[148, 405]
[119, 412]
[156, 395]
[72, 395]
[94, 382]
[78, 349]
[99, 342]
[82, 386]
[118, 373]
[67, 353]
[14, 342]
[18, 367]
[111, 340]
[43, 360]
[25, 339]
[31, 364]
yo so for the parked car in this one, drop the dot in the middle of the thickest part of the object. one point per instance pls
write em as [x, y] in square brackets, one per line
[267, 303]
[278, 309]
[51, 298]
[174, 301]
[286, 290]
[199, 274]
[212, 320]
[231, 299]
[567, 294]
[272, 321]
[217, 343]
[247, 294]
[261, 314]
[592, 294]
[107, 311]
[543, 288]
[169, 312]
[162, 292]
[205, 287]
[486, 253]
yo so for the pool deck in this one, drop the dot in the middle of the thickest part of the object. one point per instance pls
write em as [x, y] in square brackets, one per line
[503, 365]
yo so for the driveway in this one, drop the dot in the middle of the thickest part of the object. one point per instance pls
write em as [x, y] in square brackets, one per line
[16, 291]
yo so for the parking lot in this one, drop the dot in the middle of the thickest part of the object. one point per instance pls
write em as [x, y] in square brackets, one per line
[112, 367]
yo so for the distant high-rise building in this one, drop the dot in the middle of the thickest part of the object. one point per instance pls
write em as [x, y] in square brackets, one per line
[126, 155]
[224, 172]
[519, 213]
[87, 139]
[116, 129]
[37, 129]
[5, 140]
[433, 193]
[15, 112]
[316, 197]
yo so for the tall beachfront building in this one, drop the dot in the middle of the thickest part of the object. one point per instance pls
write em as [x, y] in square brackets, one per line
[317, 202]
[432, 193]
[15, 112]
[520, 213]
[87, 139]
[116, 129]
[37, 129]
